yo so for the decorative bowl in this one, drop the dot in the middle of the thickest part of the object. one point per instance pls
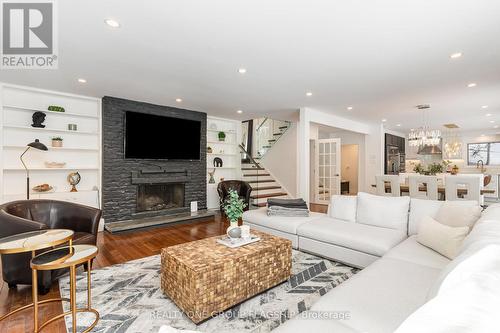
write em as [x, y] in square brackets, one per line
[55, 164]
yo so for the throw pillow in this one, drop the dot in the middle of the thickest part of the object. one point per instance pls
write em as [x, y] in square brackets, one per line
[343, 207]
[458, 214]
[384, 212]
[441, 238]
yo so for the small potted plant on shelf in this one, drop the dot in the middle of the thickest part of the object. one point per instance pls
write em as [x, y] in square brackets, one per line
[233, 207]
[57, 141]
[56, 108]
[222, 136]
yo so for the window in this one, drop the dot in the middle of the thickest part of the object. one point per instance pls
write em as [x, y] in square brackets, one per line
[488, 152]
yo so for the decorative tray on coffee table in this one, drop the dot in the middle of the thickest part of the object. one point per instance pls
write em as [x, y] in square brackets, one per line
[237, 242]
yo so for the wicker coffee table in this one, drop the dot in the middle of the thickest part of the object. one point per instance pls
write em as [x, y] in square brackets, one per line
[205, 278]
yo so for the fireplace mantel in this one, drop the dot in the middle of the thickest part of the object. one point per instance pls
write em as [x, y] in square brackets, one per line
[160, 176]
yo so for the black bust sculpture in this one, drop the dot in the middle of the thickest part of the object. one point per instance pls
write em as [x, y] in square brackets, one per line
[38, 119]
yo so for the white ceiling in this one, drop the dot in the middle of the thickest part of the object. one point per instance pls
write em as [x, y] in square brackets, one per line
[383, 57]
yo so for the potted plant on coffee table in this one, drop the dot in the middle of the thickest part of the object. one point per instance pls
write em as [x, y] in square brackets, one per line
[233, 207]
[57, 141]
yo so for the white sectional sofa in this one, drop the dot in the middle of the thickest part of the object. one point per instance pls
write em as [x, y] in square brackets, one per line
[405, 285]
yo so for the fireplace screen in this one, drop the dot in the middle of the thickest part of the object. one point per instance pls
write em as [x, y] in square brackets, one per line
[153, 197]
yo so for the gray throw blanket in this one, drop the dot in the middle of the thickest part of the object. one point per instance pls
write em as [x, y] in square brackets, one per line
[289, 212]
[287, 203]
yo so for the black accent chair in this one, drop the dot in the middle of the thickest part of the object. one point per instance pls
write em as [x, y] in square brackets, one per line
[243, 188]
[30, 215]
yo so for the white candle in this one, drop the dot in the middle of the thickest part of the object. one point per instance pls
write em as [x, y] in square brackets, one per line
[245, 231]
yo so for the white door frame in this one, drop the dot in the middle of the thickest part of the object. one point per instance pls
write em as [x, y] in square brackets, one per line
[333, 169]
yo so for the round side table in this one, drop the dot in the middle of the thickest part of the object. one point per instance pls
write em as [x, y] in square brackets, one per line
[30, 242]
[69, 257]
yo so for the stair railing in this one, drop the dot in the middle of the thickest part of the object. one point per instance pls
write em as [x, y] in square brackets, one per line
[268, 133]
[255, 168]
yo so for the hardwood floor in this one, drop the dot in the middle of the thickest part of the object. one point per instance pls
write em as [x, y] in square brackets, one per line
[113, 249]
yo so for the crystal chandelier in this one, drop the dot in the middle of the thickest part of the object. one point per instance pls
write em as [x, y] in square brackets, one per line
[424, 136]
[452, 143]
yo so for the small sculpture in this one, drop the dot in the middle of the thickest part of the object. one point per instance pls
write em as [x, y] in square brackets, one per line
[38, 118]
[212, 179]
[73, 179]
[218, 162]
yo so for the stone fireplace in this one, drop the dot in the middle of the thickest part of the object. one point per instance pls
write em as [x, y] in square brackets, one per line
[157, 197]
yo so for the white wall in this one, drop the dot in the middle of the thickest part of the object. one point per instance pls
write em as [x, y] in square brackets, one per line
[371, 160]
[349, 169]
[280, 160]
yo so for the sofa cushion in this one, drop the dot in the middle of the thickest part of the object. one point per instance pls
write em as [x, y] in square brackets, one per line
[441, 238]
[385, 212]
[360, 237]
[457, 214]
[280, 223]
[420, 208]
[468, 300]
[380, 297]
[343, 207]
[411, 251]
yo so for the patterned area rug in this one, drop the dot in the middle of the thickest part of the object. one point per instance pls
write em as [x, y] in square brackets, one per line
[129, 299]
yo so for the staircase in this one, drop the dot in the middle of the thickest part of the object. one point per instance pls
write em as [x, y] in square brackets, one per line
[264, 186]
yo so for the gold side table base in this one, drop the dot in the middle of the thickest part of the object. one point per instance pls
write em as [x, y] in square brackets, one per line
[27, 306]
[67, 313]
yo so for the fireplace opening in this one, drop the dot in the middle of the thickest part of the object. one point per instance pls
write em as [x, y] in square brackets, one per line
[155, 197]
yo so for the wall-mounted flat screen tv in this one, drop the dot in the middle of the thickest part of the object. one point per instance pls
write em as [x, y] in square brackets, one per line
[155, 137]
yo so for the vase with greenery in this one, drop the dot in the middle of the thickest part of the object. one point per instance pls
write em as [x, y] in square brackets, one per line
[57, 141]
[233, 207]
[222, 136]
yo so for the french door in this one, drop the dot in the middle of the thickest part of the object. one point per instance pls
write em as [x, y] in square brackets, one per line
[327, 169]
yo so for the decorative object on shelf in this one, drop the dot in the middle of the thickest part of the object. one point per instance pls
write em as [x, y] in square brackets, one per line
[73, 179]
[218, 162]
[211, 174]
[37, 145]
[43, 188]
[423, 137]
[38, 119]
[221, 151]
[221, 179]
[56, 108]
[213, 126]
[57, 141]
[55, 165]
[455, 170]
[233, 207]
[72, 127]
[209, 150]
[221, 136]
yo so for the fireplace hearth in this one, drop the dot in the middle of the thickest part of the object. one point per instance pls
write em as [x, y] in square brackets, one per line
[159, 197]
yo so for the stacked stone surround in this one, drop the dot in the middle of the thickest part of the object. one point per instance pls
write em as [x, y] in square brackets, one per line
[118, 192]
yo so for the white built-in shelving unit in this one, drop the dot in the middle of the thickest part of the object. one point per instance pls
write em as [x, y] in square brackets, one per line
[81, 149]
[227, 150]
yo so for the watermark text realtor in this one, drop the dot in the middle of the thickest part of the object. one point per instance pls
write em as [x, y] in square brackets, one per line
[29, 34]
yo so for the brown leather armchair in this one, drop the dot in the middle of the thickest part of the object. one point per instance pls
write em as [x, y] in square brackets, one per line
[243, 188]
[29, 215]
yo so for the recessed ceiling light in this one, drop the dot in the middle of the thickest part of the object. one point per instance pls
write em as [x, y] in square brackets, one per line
[112, 23]
[488, 115]
[483, 135]
[82, 80]
[178, 100]
[349, 108]
[492, 121]
[384, 120]
[242, 70]
[472, 85]
[309, 94]
[496, 126]
[455, 55]
[398, 125]
[239, 111]
[484, 106]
